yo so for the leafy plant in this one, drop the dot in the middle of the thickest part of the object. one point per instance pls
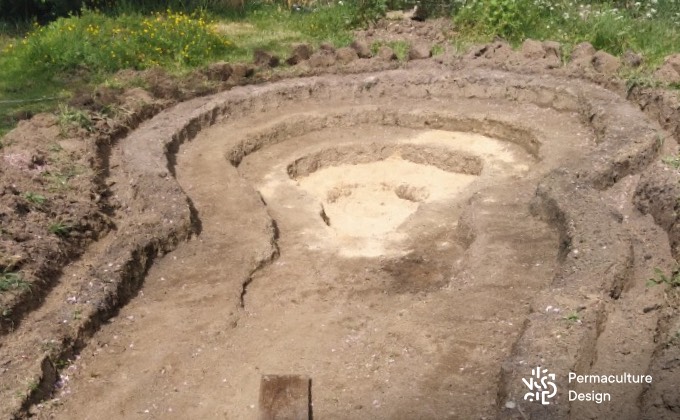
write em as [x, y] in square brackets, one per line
[573, 317]
[12, 281]
[673, 280]
[62, 363]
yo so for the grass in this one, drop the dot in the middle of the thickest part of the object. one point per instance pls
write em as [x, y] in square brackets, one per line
[672, 161]
[673, 280]
[60, 228]
[10, 281]
[41, 66]
[437, 50]
[59, 181]
[97, 43]
[651, 27]
[35, 198]
[674, 339]
[70, 117]
[400, 48]
[275, 28]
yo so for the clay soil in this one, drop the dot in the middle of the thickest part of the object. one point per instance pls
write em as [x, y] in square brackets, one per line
[414, 239]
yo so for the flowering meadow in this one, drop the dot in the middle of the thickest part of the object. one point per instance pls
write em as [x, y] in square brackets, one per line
[99, 43]
[55, 58]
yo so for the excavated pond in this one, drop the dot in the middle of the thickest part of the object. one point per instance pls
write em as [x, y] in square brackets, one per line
[413, 241]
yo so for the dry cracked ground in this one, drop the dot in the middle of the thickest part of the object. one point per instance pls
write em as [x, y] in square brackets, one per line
[414, 240]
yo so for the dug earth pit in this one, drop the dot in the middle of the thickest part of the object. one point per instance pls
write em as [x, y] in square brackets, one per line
[396, 237]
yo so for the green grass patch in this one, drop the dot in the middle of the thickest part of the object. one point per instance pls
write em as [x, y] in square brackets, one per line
[45, 66]
[97, 43]
[672, 161]
[275, 28]
[40, 66]
[652, 28]
[438, 50]
[573, 317]
[400, 48]
[35, 198]
[69, 117]
[60, 229]
[12, 281]
[672, 280]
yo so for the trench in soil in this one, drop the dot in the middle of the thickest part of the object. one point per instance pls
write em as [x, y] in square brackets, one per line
[393, 265]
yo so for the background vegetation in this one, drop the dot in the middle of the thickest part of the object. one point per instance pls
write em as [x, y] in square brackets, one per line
[49, 48]
[651, 27]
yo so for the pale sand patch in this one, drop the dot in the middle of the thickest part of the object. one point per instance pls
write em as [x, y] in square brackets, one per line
[476, 144]
[367, 203]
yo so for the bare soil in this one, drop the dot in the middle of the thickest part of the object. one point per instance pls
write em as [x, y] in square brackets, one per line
[414, 240]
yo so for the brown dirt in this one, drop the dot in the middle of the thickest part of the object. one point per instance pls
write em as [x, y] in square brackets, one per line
[414, 240]
[46, 209]
[408, 30]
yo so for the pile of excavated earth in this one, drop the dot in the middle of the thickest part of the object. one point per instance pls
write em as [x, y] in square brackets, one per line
[414, 236]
